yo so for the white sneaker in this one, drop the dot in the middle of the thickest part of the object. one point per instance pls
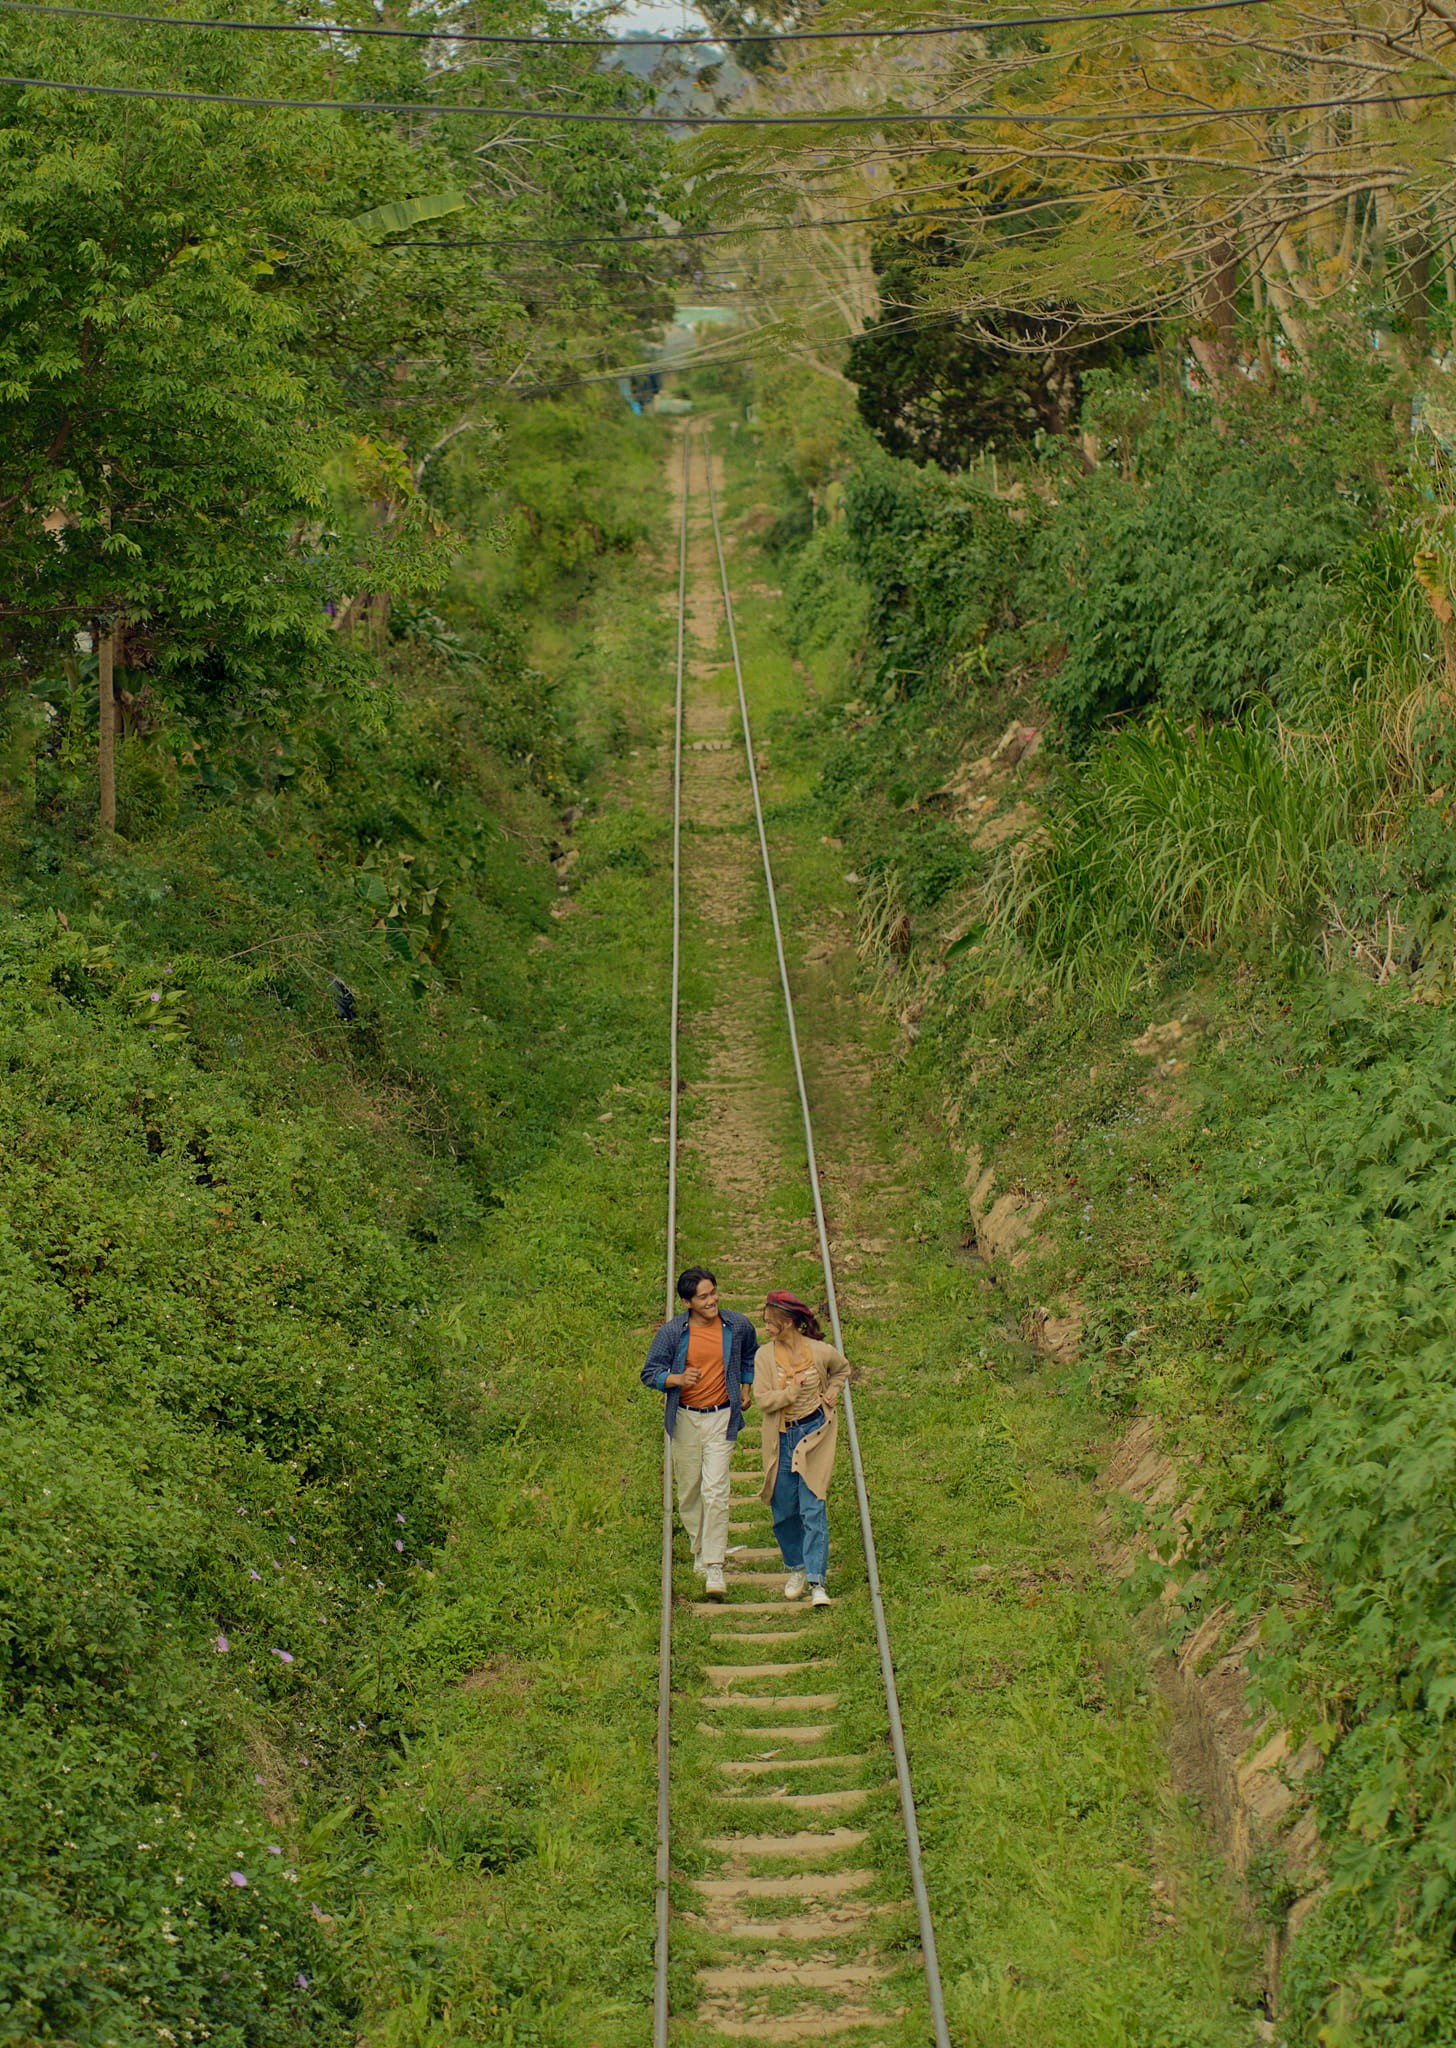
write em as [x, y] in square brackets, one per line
[716, 1585]
[818, 1597]
[794, 1586]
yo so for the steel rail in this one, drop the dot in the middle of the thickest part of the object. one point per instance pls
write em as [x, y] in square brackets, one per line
[664, 1623]
[882, 1635]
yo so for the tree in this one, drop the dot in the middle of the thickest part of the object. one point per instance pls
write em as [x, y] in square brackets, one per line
[168, 438]
[941, 388]
[207, 350]
[1242, 179]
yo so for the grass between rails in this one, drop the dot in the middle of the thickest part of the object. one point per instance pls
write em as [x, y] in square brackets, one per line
[737, 1065]
[1076, 1893]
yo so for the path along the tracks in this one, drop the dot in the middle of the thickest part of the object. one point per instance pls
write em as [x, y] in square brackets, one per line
[791, 1907]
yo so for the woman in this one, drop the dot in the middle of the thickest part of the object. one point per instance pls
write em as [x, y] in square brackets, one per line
[796, 1383]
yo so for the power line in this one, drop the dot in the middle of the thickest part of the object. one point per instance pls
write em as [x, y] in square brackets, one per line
[446, 34]
[891, 222]
[979, 117]
[685, 235]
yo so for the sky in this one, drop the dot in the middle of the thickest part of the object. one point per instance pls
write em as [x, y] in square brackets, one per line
[657, 18]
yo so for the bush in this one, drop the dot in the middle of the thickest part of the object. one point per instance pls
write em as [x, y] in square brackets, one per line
[580, 479]
[255, 1068]
[1198, 581]
[941, 559]
[218, 1410]
[827, 601]
[1250, 832]
[1326, 1242]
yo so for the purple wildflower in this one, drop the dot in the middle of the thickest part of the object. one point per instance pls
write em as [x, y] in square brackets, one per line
[254, 1575]
[301, 1981]
[274, 1852]
[236, 1877]
[222, 1645]
[284, 1656]
[156, 996]
[399, 1518]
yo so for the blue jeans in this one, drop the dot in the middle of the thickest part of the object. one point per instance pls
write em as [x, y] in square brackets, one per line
[800, 1518]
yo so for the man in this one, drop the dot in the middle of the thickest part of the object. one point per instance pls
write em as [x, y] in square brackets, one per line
[703, 1361]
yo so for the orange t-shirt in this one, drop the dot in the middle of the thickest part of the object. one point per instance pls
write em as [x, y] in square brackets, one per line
[705, 1351]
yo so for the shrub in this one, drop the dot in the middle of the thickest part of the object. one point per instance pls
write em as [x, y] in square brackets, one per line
[940, 558]
[827, 600]
[581, 475]
[1326, 1242]
[218, 1409]
[1197, 584]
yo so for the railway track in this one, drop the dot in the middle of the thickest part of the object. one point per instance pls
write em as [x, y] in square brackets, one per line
[793, 1931]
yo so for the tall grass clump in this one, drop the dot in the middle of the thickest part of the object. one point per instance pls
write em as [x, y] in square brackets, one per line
[1255, 832]
[1372, 681]
[1168, 839]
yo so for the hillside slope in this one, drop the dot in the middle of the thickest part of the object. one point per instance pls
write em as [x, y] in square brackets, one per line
[275, 1059]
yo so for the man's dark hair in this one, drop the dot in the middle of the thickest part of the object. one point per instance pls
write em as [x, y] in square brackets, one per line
[688, 1283]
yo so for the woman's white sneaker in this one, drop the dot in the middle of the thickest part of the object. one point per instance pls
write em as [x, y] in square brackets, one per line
[716, 1585]
[794, 1586]
[818, 1597]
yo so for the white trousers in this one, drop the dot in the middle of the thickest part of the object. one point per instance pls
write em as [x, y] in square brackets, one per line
[701, 1456]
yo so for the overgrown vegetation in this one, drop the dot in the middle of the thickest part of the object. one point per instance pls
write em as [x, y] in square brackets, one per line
[1321, 1238]
[1157, 750]
[275, 1063]
[331, 1033]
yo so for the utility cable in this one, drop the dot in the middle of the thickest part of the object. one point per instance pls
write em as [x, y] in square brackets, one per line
[1009, 117]
[889, 222]
[445, 34]
[892, 223]
[772, 227]
[872, 1569]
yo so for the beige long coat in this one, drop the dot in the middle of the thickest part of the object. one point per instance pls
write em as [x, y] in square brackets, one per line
[814, 1456]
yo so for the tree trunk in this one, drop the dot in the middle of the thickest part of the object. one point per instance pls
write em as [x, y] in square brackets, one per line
[106, 747]
[1214, 340]
[1412, 294]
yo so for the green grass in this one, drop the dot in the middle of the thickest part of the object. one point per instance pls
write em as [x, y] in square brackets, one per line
[521, 1831]
[316, 1328]
[1168, 841]
[1077, 1896]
